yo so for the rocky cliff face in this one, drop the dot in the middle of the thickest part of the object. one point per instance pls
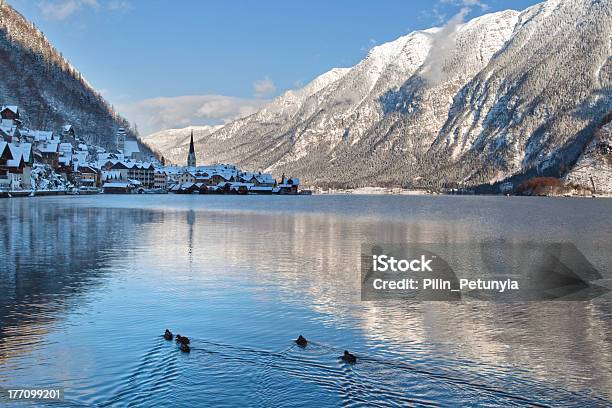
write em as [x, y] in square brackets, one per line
[48, 90]
[505, 94]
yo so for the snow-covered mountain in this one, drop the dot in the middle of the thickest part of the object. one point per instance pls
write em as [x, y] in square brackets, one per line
[174, 141]
[508, 93]
[48, 90]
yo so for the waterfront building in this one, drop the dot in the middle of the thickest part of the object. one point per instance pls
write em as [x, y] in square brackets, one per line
[160, 179]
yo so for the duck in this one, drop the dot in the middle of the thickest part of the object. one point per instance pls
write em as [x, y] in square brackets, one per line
[168, 335]
[301, 341]
[348, 357]
[185, 348]
[182, 339]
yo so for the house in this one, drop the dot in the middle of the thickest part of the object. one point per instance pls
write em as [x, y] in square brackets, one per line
[186, 177]
[160, 179]
[120, 167]
[50, 153]
[9, 133]
[258, 179]
[261, 190]
[229, 187]
[5, 153]
[217, 179]
[143, 173]
[16, 172]
[9, 112]
[40, 136]
[90, 177]
[65, 154]
[117, 187]
[288, 185]
[5, 156]
[68, 131]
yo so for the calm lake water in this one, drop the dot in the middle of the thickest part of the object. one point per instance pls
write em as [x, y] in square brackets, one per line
[88, 285]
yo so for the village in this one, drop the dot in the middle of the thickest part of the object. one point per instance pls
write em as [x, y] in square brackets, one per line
[42, 162]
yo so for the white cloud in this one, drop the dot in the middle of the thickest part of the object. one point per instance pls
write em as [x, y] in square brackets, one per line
[62, 9]
[443, 44]
[264, 87]
[154, 114]
[467, 3]
[119, 5]
[444, 40]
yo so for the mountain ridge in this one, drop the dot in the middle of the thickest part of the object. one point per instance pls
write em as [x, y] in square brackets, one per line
[462, 105]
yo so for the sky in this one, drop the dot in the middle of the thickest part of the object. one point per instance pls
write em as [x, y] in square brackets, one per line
[174, 63]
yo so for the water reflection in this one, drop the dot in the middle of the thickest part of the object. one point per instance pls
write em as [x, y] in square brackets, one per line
[256, 277]
[50, 257]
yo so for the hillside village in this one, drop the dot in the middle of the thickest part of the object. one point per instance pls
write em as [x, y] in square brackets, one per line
[42, 162]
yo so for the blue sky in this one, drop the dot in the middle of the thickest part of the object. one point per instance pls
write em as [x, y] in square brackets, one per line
[171, 63]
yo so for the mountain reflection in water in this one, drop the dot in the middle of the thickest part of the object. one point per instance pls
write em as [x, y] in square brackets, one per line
[89, 284]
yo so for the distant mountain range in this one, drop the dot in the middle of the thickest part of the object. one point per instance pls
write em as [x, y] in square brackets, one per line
[506, 95]
[48, 90]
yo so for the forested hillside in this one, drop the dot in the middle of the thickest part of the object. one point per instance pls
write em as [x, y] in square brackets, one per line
[48, 90]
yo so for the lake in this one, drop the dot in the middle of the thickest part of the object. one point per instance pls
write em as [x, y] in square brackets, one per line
[88, 285]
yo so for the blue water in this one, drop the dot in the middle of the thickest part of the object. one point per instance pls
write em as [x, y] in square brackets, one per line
[88, 285]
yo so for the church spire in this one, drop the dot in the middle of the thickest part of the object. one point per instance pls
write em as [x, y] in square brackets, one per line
[191, 157]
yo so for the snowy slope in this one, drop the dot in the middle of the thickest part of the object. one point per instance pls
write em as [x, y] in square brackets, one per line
[173, 141]
[463, 104]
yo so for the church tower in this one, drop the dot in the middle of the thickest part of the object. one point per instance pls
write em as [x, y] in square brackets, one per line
[191, 158]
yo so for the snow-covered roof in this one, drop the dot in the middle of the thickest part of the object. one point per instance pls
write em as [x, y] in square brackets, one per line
[12, 108]
[65, 147]
[116, 184]
[17, 154]
[39, 135]
[67, 128]
[48, 147]
[87, 169]
[26, 151]
[80, 157]
[7, 125]
[3, 145]
[65, 159]
[264, 178]
[291, 182]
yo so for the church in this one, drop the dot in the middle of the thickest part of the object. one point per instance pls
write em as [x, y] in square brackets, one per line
[191, 157]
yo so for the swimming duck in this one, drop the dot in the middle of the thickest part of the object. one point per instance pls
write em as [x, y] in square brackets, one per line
[168, 335]
[348, 357]
[301, 341]
[185, 348]
[182, 339]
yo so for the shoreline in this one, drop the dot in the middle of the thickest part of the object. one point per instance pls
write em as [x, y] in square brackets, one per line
[408, 192]
[339, 192]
